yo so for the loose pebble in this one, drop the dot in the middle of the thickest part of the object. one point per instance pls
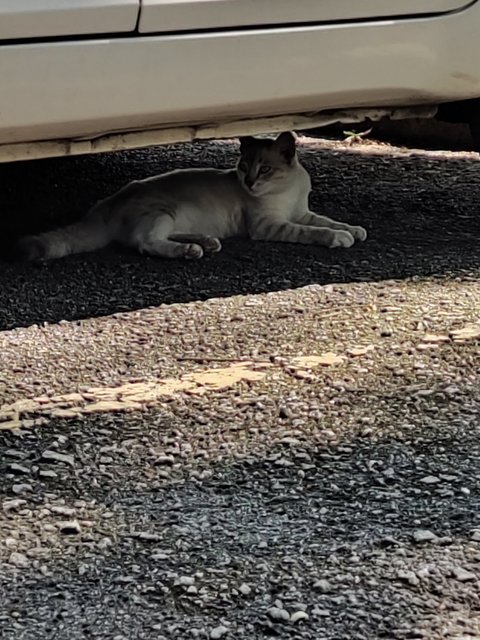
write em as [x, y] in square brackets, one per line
[14, 453]
[19, 560]
[322, 585]
[146, 536]
[430, 480]
[62, 510]
[69, 527]
[185, 581]
[462, 575]
[55, 456]
[408, 576]
[13, 505]
[47, 473]
[277, 614]
[298, 615]
[424, 535]
[20, 489]
[19, 469]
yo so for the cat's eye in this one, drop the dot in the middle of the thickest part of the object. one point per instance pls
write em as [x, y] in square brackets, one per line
[243, 167]
[265, 169]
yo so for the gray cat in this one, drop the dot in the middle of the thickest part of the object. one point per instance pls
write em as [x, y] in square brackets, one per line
[182, 214]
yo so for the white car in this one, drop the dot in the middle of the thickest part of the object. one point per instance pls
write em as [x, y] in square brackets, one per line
[82, 76]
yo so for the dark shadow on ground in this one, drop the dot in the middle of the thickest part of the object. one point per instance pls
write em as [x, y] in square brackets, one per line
[420, 211]
[277, 521]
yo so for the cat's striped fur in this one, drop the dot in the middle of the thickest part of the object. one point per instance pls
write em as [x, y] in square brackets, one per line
[185, 213]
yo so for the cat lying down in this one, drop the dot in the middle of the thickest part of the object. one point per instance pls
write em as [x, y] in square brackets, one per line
[184, 213]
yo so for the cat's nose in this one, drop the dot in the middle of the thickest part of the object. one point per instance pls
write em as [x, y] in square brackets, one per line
[249, 182]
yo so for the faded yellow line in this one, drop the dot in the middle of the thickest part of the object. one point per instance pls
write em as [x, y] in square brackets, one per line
[135, 396]
[130, 396]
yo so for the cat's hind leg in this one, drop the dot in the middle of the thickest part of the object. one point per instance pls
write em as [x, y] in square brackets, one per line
[208, 243]
[169, 249]
[152, 236]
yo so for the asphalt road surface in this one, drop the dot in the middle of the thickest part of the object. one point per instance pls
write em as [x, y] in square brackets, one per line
[274, 441]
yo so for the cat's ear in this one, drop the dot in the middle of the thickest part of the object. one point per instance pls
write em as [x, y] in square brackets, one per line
[246, 142]
[285, 144]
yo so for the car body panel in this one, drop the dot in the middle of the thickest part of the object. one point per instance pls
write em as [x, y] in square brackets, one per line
[104, 85]
[53, 18]
[89, 87]
[178, 15]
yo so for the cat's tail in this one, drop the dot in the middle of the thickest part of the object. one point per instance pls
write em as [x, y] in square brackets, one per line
[88, 234]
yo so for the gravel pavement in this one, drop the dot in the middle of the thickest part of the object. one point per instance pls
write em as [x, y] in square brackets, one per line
[275, 441]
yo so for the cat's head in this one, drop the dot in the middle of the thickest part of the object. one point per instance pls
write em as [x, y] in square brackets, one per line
[264, 163]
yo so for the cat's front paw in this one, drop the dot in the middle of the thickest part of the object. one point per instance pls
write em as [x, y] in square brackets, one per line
[342, 239]
[359, 233]
[192, 251]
